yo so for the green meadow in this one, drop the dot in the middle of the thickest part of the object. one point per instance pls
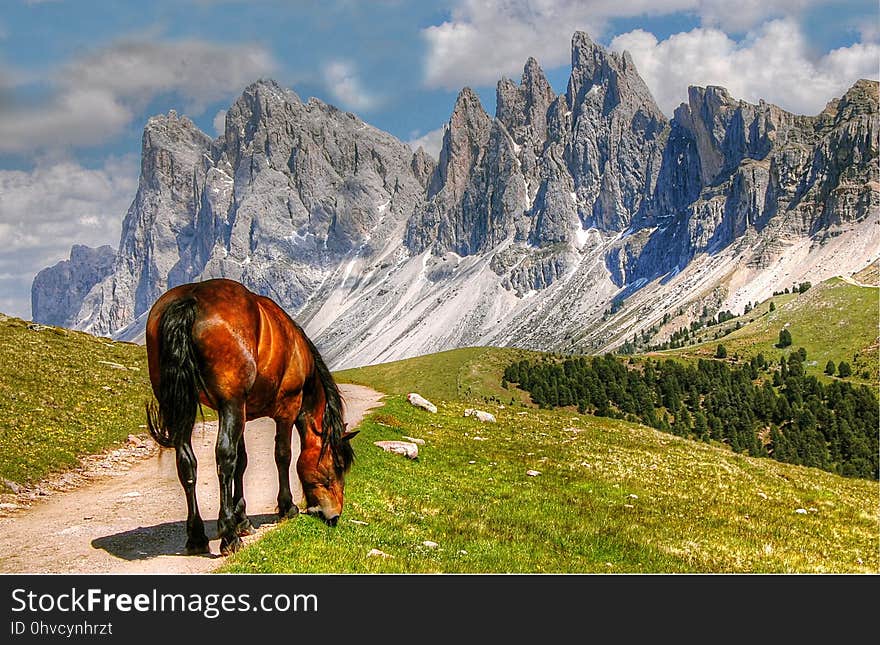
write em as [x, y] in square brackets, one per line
[64, 395]
[538, 491]
[833, 321]
[608, 496]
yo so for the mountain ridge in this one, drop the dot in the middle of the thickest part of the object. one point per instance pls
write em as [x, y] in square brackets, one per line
[522, 233]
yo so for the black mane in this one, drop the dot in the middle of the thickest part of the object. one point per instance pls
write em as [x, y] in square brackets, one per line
[333, 427]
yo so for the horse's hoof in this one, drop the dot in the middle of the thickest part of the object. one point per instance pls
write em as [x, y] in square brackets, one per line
[290, 513]
[245, 528]
[197, 547]
[230, 547]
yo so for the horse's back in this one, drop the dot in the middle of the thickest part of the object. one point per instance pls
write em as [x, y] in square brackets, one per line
[248, 346]
[225, 333]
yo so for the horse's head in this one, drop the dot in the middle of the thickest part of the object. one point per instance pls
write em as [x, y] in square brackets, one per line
[326, 453]
[321, 470]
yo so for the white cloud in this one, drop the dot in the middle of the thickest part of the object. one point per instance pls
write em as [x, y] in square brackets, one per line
[219, 122]
[430, 142]
[743, 15]
[343, 83]
[76, 117]
[487, 39]
[484, 40]
[199, 71]
[774, 63]
[47, 209]
[97, 95]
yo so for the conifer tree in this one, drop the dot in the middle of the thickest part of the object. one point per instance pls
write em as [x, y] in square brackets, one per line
[784, 338]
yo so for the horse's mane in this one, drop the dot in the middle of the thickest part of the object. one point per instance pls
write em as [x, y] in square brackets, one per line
[334, 421]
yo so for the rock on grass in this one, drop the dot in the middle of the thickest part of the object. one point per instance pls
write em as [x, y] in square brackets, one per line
[405, 448]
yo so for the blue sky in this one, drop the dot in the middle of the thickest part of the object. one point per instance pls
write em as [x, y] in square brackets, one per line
[79, 79]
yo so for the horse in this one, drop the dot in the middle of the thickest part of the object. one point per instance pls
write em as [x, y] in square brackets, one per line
[216, 343]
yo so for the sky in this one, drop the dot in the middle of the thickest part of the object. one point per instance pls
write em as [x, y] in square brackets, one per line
[78, 80]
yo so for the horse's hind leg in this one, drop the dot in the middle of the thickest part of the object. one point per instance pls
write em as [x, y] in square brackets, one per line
[228, 436]
[243, 525]
[196, 540]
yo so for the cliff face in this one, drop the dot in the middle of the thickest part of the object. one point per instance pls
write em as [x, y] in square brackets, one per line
[289, 190]
[58, 291]
[736, 173]
[546, 169]
[523, 231]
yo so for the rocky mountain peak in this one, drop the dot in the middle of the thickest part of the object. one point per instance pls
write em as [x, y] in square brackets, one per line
[860, 99]
[607, 81]
[526, 229]
[523, 108]
[173, 133]
[171, 143]
[464, 144]
[58, 291]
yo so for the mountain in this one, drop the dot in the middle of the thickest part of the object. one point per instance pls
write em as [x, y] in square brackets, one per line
[565, 222]
[58, 291]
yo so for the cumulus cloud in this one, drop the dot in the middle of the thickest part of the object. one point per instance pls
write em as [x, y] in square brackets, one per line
[486, 39]
[93, 97]
[430, 142]
[54, 205]
[219, 122]
[774, 63]
[343, 83]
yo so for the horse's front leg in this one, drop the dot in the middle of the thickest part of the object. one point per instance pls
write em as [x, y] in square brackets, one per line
[229, 435]
[283, 432]
[243, 525]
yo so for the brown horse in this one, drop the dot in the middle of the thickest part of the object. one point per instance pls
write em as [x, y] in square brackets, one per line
[218, 344]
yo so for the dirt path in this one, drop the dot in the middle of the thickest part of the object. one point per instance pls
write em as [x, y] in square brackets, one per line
[851, 280]
[134, 521]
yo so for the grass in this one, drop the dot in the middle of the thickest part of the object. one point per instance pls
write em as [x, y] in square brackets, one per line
[63, 395]
[471, 372]
[833, 320]
[611, 497]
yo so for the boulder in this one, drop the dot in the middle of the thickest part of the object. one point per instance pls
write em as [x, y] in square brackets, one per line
[421, 402]
[404, 448]
[378, 553]
[485, 417]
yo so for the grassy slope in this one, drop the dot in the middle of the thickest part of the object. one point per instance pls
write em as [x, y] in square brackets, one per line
[60, 398]
[471, 372]
[611, 496]
[833, 320]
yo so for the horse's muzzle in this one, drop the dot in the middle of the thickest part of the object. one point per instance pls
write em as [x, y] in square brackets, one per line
[317, 511]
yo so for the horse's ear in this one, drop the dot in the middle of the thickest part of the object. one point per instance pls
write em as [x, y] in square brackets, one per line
[348, 436]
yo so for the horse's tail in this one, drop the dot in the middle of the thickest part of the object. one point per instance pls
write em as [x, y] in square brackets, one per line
[333, 426]
[179, 376]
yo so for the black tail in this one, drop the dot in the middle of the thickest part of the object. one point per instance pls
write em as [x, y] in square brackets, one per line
[333, 427]
[179, 377]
